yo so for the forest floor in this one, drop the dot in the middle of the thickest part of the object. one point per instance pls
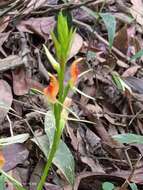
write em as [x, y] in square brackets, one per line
[104, 148]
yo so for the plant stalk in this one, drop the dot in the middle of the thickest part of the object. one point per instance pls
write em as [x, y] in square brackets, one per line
[58, 131]
[49, 161]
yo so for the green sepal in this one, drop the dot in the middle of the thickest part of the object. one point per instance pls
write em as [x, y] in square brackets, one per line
[52, 60]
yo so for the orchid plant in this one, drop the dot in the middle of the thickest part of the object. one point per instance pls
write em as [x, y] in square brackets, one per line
[56, 92]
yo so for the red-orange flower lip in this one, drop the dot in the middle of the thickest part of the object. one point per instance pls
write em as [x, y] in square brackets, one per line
[52, 89]
[2, 159]
[75, 70]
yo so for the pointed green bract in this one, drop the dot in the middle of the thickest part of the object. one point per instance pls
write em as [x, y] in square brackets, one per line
[52, 60]
[62, 38]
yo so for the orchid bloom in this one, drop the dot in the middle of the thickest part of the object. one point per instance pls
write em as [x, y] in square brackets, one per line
[75, 70]
[52, 89]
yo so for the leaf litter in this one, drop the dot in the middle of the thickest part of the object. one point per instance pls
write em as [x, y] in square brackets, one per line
[106, 143]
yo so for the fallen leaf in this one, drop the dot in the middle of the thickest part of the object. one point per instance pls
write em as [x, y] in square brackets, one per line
[41, 26]
[95, 167]
[5, 2]
[20, 85]
[3, 38]
[136, 84]
[122, 64]
[10, 62]
[131, 71]
[121, 40]
[137, 10]
[93, 180]
[21, 138]
[5, 99]
[72, 136]
[4, 23]
[76, 45]
[14, 154]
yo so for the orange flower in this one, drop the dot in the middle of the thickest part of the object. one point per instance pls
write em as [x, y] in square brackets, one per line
[2, 159]
[75, 70]
[52, 89]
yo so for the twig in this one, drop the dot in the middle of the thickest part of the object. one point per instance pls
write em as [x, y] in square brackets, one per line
[64, 6]
[10, 125]
[15, 5]
[125, 184]
[5, 3]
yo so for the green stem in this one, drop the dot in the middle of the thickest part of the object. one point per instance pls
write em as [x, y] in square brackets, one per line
[60, 99]
[58, 131]
[49, 162]
[61, 84]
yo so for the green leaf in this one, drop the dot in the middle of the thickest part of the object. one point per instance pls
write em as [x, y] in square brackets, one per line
[129, 138]
[108, 186]
[14, 139]
[12, 180]
[2, 182]
[63, 158]
[110, 23]
[137, 55]
[133, 186]
[43, 143]
[121, 85]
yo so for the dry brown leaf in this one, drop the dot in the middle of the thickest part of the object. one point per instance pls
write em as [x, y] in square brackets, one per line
[10, 62]
[95, 167]
[5, 99]
[20, 85]
[131, 71]
[121, 40]
[41, 26]
[3, 38]
[73, 138]
[76, 45]
[9, 184]
[93, 180]
[122, 64]
[14, 154]
[4, 23]
[137, 10]
[4, 3]
[136, 84]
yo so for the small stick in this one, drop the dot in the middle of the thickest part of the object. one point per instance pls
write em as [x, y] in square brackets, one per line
[68, 6]
[125, 184]
[10, 125]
